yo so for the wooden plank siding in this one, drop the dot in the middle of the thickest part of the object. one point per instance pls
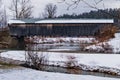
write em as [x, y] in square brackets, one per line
[56, 29]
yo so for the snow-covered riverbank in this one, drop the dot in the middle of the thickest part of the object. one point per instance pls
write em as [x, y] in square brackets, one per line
[114, 44]
[29, 74]
[99, 62]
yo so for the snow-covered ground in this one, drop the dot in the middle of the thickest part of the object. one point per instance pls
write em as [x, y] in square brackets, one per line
[15, 55]
[29, 74]
[114, 43]
[108, 62]
[54, 40]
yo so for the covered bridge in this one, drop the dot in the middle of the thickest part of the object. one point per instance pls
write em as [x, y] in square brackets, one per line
[57, 27]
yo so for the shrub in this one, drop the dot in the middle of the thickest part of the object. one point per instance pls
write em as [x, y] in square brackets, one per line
[71, 62]
[100, 48]
[35, 59]
[6, 41]
[72, 65]
[107, 48]
[106, 32]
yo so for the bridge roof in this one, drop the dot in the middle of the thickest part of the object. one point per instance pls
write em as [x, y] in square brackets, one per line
[40, 21]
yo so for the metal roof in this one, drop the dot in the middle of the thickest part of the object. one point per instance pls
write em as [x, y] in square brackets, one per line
[61, 21]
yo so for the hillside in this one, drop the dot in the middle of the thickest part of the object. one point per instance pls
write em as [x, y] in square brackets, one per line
[99, 14]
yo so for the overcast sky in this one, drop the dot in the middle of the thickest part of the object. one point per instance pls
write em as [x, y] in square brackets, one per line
[39, 6]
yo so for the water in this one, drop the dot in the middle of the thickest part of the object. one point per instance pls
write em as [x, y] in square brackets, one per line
[6, 69]
[56, 47]
[76, 71]
[9, 68]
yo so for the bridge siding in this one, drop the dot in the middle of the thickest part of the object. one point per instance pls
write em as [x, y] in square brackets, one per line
[82, 29]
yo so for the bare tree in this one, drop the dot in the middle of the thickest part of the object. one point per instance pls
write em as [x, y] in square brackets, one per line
[21, 9]
[75, 3]
[50, 11]
[1, 11]
[3, 17]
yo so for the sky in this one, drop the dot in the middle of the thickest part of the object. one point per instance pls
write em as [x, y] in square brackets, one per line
[39, 6]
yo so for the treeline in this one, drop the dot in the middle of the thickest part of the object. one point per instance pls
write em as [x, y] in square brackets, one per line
[99, 14]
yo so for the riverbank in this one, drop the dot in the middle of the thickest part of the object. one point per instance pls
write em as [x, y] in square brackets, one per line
[30, 74]
[106, 63]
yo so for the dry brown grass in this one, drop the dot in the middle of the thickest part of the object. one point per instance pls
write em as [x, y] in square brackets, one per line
[106, 33]
[6, 41]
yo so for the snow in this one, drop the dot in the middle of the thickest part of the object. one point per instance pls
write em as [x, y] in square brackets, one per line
[29, 74]
[56, 58]
[108, 60]
[15, 55]
[74, 49]
[66, 21]
[54, 40]
[77, 21]
[114, 43]
[15, 21]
